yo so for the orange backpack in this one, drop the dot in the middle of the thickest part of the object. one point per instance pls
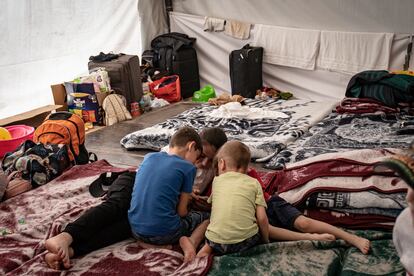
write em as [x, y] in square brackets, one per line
[64, 128]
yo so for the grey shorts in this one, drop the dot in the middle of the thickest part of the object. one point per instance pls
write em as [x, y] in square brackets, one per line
[187, 226]
[281, 213]
[221, 249]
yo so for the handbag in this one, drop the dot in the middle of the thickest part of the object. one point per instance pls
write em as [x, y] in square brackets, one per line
[167, 88]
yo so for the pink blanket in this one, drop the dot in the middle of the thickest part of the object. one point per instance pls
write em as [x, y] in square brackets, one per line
[27, 220]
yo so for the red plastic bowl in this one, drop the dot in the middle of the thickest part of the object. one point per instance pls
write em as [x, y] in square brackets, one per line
[20, 133]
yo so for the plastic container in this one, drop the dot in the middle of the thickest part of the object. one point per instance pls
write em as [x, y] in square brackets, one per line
[20, 133]
[204, 94]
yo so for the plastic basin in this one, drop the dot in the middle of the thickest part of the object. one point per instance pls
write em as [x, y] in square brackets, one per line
[20, 133]
[204, 94]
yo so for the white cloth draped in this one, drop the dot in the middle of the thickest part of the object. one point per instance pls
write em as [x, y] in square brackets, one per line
[288, 46]
[352, 52]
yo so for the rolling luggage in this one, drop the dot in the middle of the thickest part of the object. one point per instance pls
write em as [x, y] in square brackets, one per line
[246, 71]
[124, 74]
[175, 53]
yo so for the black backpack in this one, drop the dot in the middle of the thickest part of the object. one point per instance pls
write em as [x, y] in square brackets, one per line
[175, 53]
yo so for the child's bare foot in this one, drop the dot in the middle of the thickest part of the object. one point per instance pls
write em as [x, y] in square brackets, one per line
[360, 243]
[53, 261]
[60, 246]
[205, 251]
[188, 249]
[322, 237]
[148, 245]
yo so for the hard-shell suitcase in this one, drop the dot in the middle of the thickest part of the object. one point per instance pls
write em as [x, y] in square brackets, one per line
[246, 70]
[125, 76]
[175, 53]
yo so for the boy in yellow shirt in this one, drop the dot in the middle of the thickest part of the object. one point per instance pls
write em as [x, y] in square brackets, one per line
[238, 216]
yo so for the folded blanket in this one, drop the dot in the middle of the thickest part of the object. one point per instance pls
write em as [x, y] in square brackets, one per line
[356, 200]
[351, 221]
[382, 184]
[363, 105]
[355, 163]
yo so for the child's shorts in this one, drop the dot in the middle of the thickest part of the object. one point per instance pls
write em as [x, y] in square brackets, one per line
[187, 226]
[281, 213]
[221, 249]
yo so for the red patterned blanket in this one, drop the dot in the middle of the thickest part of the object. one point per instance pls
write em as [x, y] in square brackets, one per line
[27, 220]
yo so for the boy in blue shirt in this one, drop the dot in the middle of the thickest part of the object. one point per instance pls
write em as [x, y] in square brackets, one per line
[158, 213]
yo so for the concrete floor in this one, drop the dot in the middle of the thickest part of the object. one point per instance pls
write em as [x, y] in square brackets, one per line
[104, 141]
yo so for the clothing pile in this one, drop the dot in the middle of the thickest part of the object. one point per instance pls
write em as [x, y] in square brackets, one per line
[225, 98]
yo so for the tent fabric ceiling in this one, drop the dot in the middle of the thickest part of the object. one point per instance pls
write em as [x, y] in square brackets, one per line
[337, 15]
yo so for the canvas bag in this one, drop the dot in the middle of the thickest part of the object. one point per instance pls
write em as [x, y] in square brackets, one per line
[167, 88]
[115, 109]
[36, 163]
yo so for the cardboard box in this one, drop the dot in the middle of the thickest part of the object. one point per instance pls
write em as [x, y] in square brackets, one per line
[100, 96]
[59, 96]
[31, 118]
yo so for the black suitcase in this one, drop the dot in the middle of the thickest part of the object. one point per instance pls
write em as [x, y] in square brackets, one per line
[125, 76]
[246, 71]
[175, 53]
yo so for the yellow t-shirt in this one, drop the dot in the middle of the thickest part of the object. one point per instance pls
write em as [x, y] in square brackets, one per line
[233, 214]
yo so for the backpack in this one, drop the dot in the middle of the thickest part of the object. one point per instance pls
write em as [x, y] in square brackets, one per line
[166, 46]
[175, 53]
[68, 129]
[115, 109]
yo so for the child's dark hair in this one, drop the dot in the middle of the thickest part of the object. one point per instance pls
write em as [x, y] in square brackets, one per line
[214, 136]
[235, 153]
[184, 135]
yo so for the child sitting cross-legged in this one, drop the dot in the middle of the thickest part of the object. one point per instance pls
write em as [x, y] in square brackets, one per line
[238, 216]
[158, 213]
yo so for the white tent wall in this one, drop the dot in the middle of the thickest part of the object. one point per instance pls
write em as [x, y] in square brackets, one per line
[45, 42]
[335, 15]
[153, 18]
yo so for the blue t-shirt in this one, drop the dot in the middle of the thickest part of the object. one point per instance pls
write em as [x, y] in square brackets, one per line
[160, 180]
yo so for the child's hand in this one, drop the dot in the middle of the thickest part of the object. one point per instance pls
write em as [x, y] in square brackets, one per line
[265, 240]
[195, 194]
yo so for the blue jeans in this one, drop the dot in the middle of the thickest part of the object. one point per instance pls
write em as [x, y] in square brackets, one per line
[187, 226]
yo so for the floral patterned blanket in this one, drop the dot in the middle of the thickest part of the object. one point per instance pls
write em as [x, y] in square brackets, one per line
[267, 129]
[27, 220]
[345, 132]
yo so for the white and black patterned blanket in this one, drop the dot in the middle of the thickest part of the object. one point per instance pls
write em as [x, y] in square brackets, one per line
[344, 132]
[264, 136]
